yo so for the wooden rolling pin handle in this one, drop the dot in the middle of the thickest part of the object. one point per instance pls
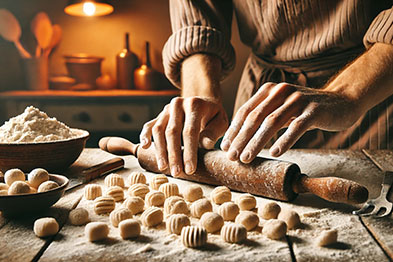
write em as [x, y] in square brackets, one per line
[118, 146]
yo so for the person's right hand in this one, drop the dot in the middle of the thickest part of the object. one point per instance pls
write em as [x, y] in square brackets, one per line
[200, 121]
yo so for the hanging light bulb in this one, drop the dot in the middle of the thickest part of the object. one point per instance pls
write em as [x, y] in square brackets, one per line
[88, 8]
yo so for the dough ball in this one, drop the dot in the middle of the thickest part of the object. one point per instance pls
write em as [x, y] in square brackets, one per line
[228, 211]
[104, 204]
[221, 194]
[114, 180]
[116, 192]
[3, 186]
[169, 189]
[13, 175]
[193, 236]
[92, 191]
[95, 231]
[274, 229]
[175, 205]
[136, 178]
[78, 216]
[290, 217]
[119, 215]
[3, 192]
[37, 176]
[138, 190]
[18, 188]
[154, 198]
[157, 181]
[33, 190]
[201, 206]
[152, 217]
[233, 233]
[129, 228]
[135, 204]
[327, 237]
[45, 227]
[248, 219]
[47, 185]
[176, 222]
[192, 193]
[246, 202]
[212, 222]
[269, 211]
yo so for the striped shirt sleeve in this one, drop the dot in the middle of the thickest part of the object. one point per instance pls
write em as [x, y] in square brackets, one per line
[381, 29]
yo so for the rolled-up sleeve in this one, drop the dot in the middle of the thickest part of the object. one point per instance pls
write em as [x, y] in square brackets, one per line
[198, 27]
[381, 29]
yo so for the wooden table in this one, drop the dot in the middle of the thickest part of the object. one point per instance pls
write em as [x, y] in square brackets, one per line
[360, 239]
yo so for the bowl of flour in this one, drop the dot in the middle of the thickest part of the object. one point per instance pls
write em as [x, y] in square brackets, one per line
[33, 139]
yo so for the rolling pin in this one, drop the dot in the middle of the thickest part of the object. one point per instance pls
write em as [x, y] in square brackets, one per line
[265, 177]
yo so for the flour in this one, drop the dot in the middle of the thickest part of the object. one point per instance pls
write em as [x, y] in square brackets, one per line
[33, 126]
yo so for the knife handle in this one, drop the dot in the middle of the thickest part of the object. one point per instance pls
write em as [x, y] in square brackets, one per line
[102, 169]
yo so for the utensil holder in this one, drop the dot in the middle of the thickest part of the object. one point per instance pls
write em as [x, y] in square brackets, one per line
[36, 73]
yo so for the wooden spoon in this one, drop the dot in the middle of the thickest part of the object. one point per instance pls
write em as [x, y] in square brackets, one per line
[41, 26]
[55, 40]
[11, 31]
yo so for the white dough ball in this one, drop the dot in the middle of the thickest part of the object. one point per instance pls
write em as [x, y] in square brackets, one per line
[152, 216]
[193, 193]
[119, 215]
[78, 216]
[199, 207]
[274, 229]
[246, 202]
[290, 217]
[269, 211]
[45, 227]
[212, 222]
[248, 219]
[37, 176]
[13, 175]
[228, 211]
[18, 188]
[129, 228]
[135, 204]
[327, 237]
[47, 185]
[95, 231]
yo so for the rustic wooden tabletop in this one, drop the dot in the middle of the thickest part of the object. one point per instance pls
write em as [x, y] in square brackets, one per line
[359, 239]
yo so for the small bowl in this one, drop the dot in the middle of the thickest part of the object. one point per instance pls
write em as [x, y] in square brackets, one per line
[53, 156]
[14, 205]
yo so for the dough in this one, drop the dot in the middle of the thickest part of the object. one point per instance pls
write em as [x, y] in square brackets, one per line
[154, 198]
[246, 202]
[116, 192]
[13, 175]
[18, 188]
[45, 227]
[152, 216]
[138, 190]
[129, 228]
[212, 222]
[201, 206]
[176, 222]
[3, 186]
[248, 219]
[193, 236]
[169, 189]
[274, 229]
[233, 233]
[114, 180]
[3, 192]
[192, 193]
[269, 211]
[95, 231]
[135, 204]
[47, 185]
[33, 190]
[37, 176]
[136, 178]
[104, 204]
[228, 211]
[290, 217]
[175, 205]
[92, 191]
[119, 215]
[221, 195]
[78, 216]
[157, 181]
[327, 237]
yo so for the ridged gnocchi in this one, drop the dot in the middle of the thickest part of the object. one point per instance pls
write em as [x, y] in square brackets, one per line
[193, 236]
[176, 222]
[233, 233]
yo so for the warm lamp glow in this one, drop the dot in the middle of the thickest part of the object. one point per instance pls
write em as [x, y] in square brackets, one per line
[88, 8]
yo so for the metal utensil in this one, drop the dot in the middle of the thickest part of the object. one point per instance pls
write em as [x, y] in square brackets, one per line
[41, 26]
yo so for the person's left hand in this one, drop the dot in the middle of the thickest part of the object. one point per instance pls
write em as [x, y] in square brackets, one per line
[275, 106]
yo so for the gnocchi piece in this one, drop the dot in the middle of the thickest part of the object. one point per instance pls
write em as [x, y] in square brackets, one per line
[3, 192]
[45, 227]
[116, 192]
[138, 190]
[92, 191]
[233, 233]
[119, 215]
[78, 216]
[269, 211]
[47, 185]
[221, 194]
[129, 228]
[201, 206]
[152, 217]
[175, 205]
[192, 193]
[228, 211]
[136, 178]
[154, 198]
[248, 219]
[274, 229]
[246, 202]
[157, 181]
[290, 217]
[135, 204]
[169, 189]
[104, 204]
[18, 188]
[212, 222]
[114, 180]
[3, 186]
[37, 176]
[96, 231]
[193, 236]
[176, 222]
[13, 175]
[327, 237]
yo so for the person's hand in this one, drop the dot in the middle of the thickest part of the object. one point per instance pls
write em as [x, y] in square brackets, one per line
[195, 119]
[275, 106]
